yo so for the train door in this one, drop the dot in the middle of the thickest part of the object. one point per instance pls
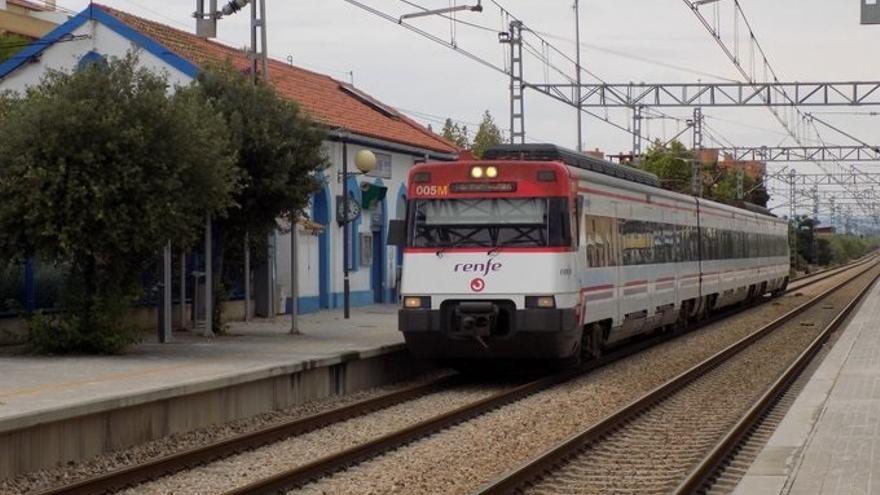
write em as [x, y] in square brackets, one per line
[600, 261]
[664, 278]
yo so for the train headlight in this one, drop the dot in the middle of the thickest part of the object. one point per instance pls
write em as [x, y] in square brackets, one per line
[412, 302]
[540, 302]
[477, 172]
[491, 172]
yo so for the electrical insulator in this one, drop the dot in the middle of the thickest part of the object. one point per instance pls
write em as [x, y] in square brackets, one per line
[234, 6]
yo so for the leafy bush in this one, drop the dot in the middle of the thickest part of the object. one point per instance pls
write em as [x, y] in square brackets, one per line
[98, 170]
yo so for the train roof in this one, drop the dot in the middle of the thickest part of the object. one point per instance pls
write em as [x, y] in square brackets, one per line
[552, 152]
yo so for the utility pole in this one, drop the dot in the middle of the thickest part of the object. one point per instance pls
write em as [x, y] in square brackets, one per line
[637, 132]
[517, 86]
[697, 164]
[740, 180]
[792, 212]
[577, 37]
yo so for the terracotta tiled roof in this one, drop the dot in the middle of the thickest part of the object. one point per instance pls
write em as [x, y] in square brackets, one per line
[323, 97]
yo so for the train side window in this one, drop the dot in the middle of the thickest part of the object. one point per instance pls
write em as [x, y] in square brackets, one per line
[600, 242]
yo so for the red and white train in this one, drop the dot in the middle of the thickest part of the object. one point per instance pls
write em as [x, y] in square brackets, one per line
[537, 252]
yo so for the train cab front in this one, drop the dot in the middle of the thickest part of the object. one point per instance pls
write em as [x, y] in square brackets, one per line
[489, 267]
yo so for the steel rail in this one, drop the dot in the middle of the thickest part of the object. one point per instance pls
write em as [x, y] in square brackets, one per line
[811, 278]
[703, 474]
[302, 475]
[139, 473]
[512, 480]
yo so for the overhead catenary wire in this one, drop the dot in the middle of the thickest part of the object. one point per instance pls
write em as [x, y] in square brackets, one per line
[769, 72]
[469, 54]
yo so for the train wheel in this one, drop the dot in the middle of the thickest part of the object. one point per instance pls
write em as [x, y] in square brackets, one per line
[684, 317]
[592, 342]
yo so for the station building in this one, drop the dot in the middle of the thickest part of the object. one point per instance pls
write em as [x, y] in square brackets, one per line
[353, 119]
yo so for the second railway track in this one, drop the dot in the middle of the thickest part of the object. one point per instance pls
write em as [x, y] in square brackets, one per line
[660, 443]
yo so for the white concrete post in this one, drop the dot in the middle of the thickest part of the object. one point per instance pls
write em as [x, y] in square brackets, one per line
[183, 288]
[209, 281]
[167, 333]
[294, 290]
[247, 277]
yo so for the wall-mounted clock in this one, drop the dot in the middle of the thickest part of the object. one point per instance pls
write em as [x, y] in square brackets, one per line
[354, 211]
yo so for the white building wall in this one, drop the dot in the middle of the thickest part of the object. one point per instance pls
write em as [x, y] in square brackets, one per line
[65, 55]
[360, 278]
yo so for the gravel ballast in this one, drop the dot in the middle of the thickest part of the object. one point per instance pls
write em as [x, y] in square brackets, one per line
[462, 458]
[47, 478]
[655, 452]
[251, 466]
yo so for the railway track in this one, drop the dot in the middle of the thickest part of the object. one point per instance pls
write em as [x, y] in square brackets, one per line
[675, 438]
[305, 473]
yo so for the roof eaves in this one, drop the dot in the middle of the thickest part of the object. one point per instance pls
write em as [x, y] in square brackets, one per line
[39, 46]
[149, 44]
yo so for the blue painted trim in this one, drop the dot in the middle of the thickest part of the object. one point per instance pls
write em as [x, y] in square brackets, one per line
[90, 58]
[94, 12]
[312, 304]
[30, 290]
[357, 298]
[377, 271]
[37, 47]
[390, 296]
[401, 196]
[321, 214]
[304, 305]
[354, 262]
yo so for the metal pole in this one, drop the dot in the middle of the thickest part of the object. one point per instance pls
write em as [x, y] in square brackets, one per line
[264, 53]
[271, 276]
[247, 276]
[637, 133]
[209, 281]
[294, 289]
[740, 181]
[254, 49]
[166, 335]
[577, 36]
[697, 169]
[346, 288]
[182, 289]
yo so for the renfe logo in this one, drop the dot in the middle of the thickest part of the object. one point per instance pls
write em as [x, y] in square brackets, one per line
[482, 268]
[478, 284]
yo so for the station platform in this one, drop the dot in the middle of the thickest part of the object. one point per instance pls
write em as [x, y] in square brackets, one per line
[829, 441]
[194, 381]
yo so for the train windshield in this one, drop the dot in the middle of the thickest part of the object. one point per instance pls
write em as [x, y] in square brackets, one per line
[489, 223]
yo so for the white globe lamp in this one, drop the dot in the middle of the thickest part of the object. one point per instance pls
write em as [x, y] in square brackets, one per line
[365, 161]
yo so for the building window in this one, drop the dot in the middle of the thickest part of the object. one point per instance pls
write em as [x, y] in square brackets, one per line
[383, 166]
[366, 251]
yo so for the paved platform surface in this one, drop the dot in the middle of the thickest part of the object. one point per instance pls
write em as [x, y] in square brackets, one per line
[829, 442]
[38, 389]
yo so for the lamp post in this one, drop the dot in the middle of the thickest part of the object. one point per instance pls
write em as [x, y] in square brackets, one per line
[365, 161]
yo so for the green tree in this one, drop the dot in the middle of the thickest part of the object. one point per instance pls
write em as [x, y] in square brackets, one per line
[98, 170]
[279, 149]
[488, 135]
[671, 164]
[457, 135]
[10, 44]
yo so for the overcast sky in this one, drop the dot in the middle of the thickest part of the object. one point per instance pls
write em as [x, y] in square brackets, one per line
[623, 40]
